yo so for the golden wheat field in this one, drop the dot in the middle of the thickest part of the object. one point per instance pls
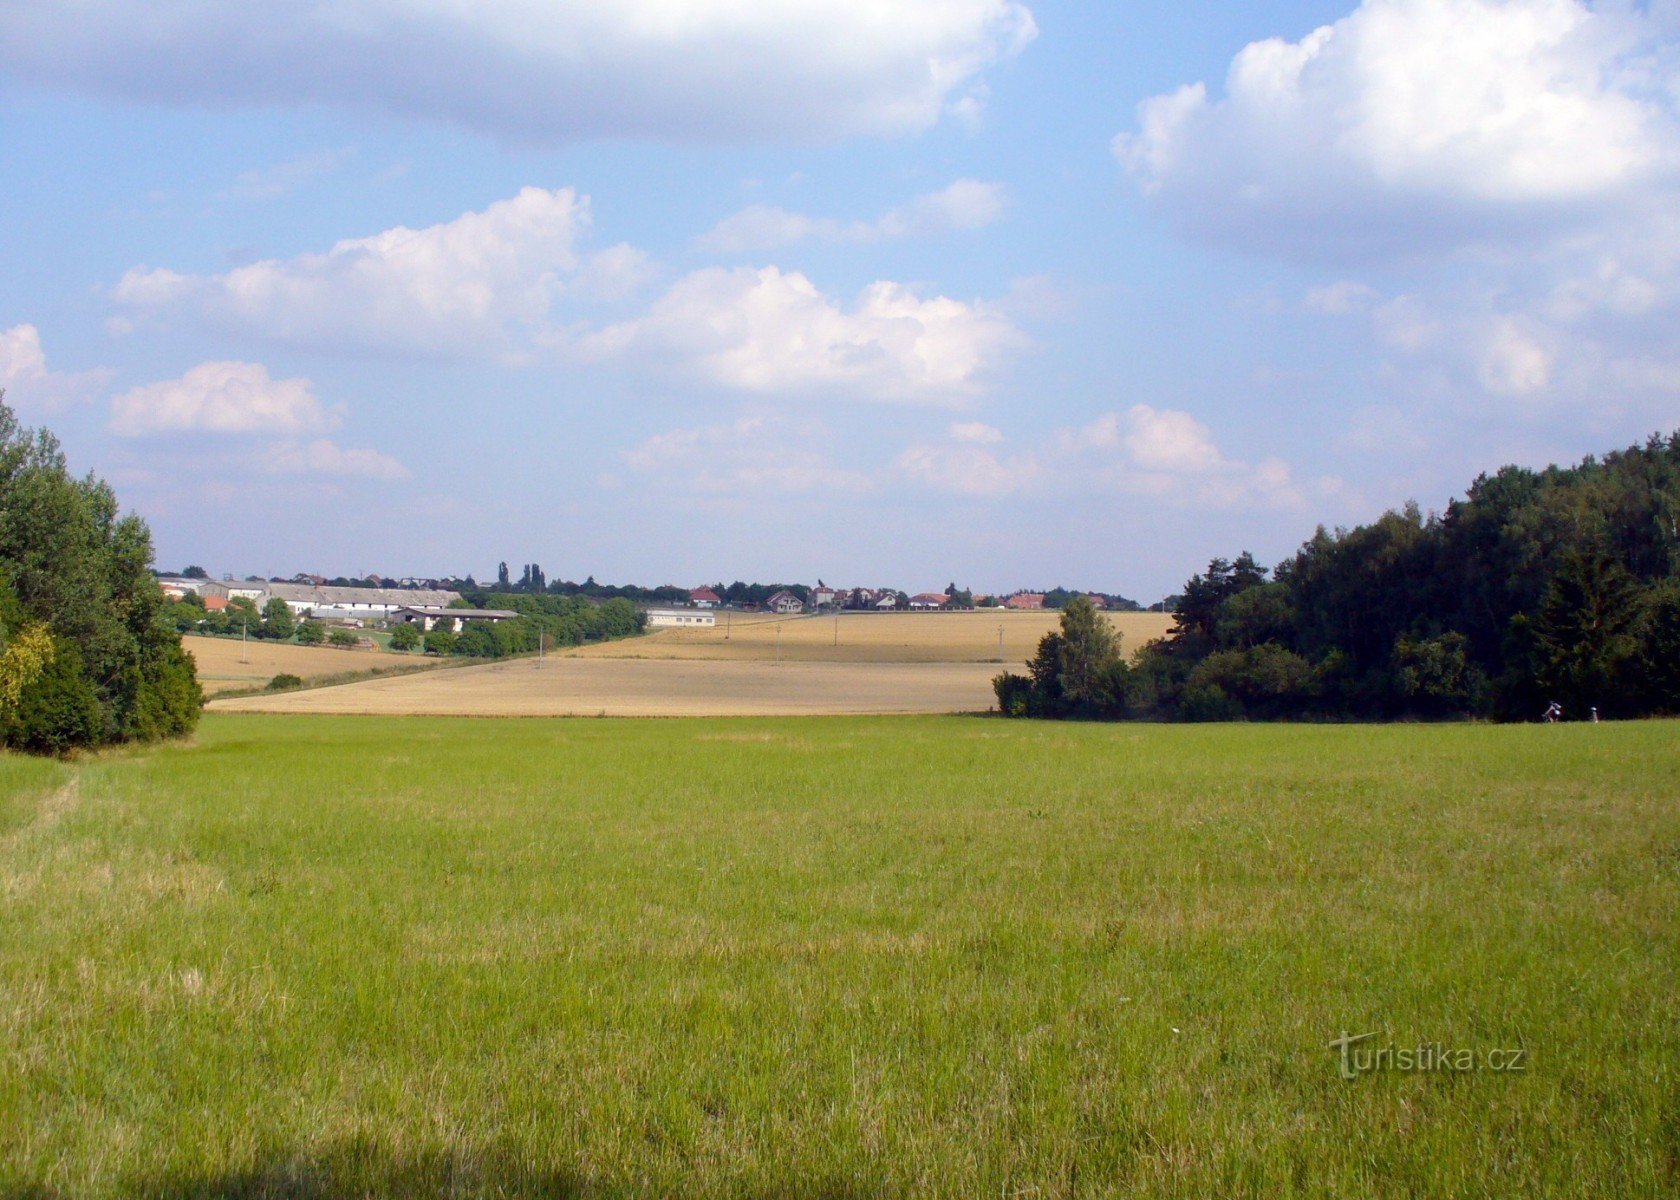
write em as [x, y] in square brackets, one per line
[223, 665]
[901, 637]
[650, 687]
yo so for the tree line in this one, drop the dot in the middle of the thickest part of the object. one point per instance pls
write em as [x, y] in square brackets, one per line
[1537, 588]
[86, 656]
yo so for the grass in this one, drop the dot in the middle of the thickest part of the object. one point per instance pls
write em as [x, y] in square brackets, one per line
[839, 958]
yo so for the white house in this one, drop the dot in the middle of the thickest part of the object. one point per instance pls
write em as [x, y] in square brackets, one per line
[785, 602]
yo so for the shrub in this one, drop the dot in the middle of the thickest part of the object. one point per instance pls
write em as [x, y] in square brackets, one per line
[283, 681]
[58, 710]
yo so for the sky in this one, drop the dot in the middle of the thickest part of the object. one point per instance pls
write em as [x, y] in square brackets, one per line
[1010, 294]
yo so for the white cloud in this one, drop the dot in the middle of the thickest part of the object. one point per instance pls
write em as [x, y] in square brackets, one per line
[976, 432]
[27, 382]
[482, 283]
[1412, 125]
[966, 204]
[322, 457]
[752, 457]
[221, 397]
[1512, 165]
[773, 332]
[1163, 455]
[1513, 363]
[534, 69]
[279, 179]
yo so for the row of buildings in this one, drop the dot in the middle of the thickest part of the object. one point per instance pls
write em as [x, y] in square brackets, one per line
[881, 599]
[423, 607]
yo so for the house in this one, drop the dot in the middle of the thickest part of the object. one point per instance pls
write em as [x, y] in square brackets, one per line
[427, 615]
[664, 618]
[1097, 601]
[886, 600]
[704, 598]
[1025, 600]
[785, 602]
[927, 600]
[824, 596]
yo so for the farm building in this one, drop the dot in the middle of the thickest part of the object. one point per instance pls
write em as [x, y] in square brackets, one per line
[666, 618]
[359, 602]
[785, 602]
[1025, 600]
[235, 589]
[704, 598]
[427, 616]
[927, 600]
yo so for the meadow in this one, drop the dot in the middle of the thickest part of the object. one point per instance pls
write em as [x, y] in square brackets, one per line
[840, 957]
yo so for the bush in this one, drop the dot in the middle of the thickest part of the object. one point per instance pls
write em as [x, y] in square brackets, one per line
[310, 633]
[404, 637]
[58, 710]
[283, 681]
[342, 638]
[440, 641]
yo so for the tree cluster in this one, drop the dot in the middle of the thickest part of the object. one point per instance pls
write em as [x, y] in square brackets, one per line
[86, 655]
[1537, 587]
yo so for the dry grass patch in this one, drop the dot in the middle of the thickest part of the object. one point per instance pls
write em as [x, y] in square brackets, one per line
[586, 687]
[869, 637]
[226, 665]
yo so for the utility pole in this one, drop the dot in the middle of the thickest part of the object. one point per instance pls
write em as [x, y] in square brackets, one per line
[1000, 643]
[728, 622]
[778, 641]
[244, 655]
[836, 626]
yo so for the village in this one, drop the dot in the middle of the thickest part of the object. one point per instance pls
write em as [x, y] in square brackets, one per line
[427, 603]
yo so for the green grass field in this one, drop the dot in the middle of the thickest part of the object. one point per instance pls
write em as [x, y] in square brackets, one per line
[840, 957]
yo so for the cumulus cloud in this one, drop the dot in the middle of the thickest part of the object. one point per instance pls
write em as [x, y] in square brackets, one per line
[771, 331]
[322, 457]
[754, 454]
[1161, 454]
[1509, 170]
[529, 69]
[25, 379]
[485, 282]
[221, 397]
[1418, 124]
[965, 204]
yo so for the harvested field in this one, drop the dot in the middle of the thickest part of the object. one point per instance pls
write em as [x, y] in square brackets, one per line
[651, 688]
[220, 668]
[869, 637]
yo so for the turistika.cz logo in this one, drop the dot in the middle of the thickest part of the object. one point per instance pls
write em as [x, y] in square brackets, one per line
[1355, 1057]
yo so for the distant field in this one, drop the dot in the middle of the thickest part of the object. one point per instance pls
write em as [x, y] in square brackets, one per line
[223, 664]
[840, 959]
[869, 637]
[653, 687]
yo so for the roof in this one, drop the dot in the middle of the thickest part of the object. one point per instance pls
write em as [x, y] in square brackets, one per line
[704, 594]
[930, 598]
[308, 593]
[463, 614]
[784, 594]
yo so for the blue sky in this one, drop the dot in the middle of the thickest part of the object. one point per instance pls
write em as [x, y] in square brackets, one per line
[1014, 294]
